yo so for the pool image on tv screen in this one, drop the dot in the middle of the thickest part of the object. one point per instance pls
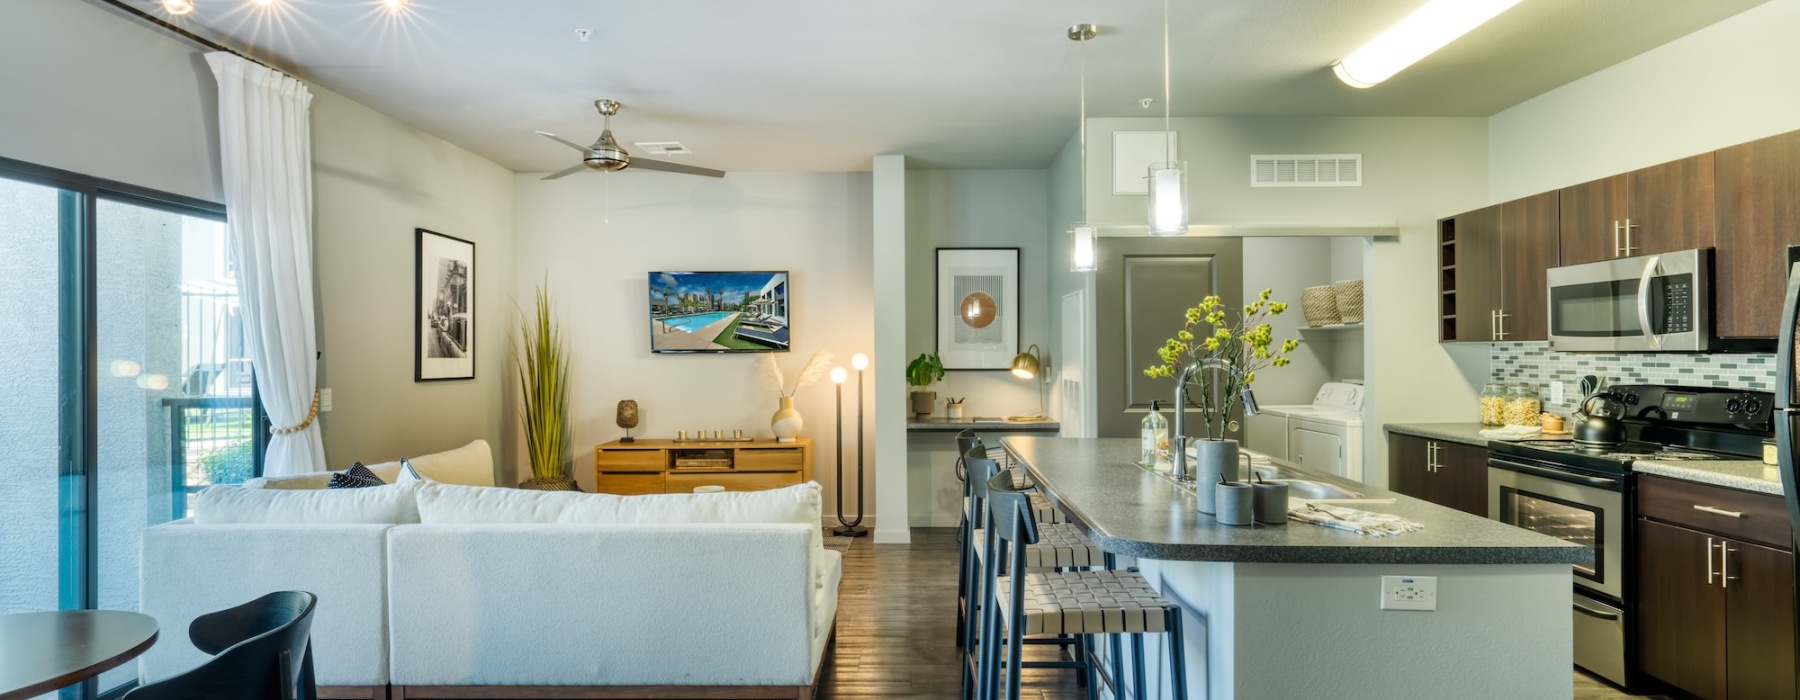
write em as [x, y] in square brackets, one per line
[718, 312]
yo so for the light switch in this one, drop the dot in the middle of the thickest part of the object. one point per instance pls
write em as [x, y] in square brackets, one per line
[324, 400]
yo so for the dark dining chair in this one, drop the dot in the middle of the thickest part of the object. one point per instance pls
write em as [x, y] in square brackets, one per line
[261, 649]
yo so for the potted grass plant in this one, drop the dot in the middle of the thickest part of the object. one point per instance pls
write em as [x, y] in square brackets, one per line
[543, 368]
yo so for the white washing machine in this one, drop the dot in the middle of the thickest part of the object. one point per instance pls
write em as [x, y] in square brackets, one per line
[1324, 436]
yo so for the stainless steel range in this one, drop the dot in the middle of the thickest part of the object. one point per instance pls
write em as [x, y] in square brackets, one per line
[1585, 494]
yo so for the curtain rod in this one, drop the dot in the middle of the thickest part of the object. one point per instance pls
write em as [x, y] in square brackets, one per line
[190, 36]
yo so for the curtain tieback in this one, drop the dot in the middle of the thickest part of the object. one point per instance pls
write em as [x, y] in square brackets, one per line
[311, 414]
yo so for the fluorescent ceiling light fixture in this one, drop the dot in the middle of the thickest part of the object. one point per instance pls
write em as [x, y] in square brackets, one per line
[1427, 29]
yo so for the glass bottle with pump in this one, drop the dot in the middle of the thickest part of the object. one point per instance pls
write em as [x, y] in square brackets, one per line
[1154, 438]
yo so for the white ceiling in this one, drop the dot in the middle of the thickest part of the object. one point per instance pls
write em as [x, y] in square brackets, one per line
[823, 85]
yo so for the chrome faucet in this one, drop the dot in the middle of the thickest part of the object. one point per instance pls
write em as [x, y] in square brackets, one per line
[1178, 466]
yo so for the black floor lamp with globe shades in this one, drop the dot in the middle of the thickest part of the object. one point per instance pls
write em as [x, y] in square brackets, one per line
[847, 527]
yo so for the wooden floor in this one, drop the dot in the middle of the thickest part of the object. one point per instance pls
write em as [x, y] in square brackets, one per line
[897, 625]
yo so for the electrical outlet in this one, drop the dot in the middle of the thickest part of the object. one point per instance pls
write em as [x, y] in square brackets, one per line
[1409, 593]
[324, 400]
[1556, 393]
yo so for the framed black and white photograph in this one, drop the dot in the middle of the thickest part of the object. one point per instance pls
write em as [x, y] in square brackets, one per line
[444, 299]
[977, 307]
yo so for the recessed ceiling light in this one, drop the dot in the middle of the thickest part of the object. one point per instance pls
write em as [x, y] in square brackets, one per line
[178, 7]
[395, 6]
[264, 3]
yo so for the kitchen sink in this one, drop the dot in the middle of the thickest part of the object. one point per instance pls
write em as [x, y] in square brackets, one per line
[1307, 488]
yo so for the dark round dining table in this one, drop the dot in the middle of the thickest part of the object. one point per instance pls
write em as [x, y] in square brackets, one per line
[43, 651]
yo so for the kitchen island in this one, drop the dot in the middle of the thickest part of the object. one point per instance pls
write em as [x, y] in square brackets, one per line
[1291, 611]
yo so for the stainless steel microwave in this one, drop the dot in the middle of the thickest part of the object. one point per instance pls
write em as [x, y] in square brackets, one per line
[1650, 303]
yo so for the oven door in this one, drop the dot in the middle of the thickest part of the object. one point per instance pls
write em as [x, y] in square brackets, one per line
[1579, 508]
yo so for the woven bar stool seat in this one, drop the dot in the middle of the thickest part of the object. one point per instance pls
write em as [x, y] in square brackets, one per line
[1041, 508]
[1087, 602]
[1058, 547]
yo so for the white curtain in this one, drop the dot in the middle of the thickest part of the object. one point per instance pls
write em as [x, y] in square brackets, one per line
[265, 143]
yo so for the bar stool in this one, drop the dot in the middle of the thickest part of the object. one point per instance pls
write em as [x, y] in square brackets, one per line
[968, 443]
[1067, 546]
[1063, 546]
[1079, 603]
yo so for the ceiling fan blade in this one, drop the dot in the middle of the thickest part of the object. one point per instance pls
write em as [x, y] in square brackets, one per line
[667, 167]
[563, 141]
[571, 170]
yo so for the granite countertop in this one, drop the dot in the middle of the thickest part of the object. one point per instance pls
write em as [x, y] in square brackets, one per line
[994, 423]
[1748, 474]
[1129, 510]
[1465, 433]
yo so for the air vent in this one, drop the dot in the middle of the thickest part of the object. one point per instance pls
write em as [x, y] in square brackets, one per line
[1335, 170]
[663, 148]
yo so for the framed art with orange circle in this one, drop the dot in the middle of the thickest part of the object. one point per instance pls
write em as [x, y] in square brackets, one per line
[977, 307]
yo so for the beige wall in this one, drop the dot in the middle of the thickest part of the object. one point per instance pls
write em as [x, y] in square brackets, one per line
[375, 180]
[87, 90]
[1725, 84]
[129, 102]
[816, 226]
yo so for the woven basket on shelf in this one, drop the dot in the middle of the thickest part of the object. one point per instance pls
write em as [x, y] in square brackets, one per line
[1320, 306]
[1349, 295]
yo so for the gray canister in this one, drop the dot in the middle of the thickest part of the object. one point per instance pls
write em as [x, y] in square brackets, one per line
[1236, 503]
[1211, 459]
[1271, 502]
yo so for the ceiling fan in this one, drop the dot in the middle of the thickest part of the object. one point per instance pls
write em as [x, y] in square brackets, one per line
[606, 155]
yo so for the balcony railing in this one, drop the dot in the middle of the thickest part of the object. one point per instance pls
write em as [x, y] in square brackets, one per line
[212, 440]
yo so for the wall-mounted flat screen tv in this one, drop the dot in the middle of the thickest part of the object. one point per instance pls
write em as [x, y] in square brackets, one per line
[718, 312]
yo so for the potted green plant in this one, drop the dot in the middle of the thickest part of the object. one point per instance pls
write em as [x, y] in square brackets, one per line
[920, 373]
[544, 378]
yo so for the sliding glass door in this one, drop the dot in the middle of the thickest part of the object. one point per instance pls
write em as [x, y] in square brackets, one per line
[126, 384]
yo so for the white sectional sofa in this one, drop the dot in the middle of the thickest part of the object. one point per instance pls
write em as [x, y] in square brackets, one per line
[438, 590]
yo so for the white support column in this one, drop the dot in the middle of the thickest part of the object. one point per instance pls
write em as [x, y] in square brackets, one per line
[890, 350]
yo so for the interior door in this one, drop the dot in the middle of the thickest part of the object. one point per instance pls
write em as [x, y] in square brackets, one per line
[1143, 286]
[1316, 450]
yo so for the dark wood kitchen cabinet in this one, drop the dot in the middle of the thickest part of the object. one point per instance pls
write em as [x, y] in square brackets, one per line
[1758, 207]
[1449, 474]
[1658, 209]
[1715, 599]
[1528, 247]
[1492, 279]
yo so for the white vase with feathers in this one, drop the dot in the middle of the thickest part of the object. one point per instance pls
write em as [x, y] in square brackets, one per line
[786, 423]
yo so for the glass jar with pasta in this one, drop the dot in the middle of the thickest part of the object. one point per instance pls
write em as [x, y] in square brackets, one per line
[1493, 403]
[1523, 405]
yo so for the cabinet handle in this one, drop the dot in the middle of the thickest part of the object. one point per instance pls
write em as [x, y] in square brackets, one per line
[1709, 562]
[1725, 551]
[1629, 248]
[1618, 251]
[1718, 511]
[1502, 313]
[1494, 325]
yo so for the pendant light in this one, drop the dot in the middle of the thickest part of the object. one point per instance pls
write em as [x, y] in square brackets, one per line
[1081, 259]
[1168, 179]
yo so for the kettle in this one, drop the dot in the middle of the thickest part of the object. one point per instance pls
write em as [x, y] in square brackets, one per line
[1597, 429]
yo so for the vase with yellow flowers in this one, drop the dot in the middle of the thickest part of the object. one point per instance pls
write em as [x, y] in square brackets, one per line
[1218, 359]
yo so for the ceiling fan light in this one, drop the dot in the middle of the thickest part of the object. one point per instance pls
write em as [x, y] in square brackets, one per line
[1082, 258]
[1427, 29]
[178, 7]
[1168, 198]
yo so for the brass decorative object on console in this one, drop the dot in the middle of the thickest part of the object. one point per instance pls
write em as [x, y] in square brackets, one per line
[628, 418]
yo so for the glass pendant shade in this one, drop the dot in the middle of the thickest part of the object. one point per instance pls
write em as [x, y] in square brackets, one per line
[1168, 198]
[1082, 258]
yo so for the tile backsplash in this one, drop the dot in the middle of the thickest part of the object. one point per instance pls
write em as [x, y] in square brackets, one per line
[1535, 362]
